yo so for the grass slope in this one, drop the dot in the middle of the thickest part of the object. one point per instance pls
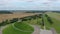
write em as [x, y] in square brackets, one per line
[56, 22]
[35, 21]
[24, 26]
[11, 30]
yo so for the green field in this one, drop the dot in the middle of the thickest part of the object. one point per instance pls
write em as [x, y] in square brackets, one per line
[52, 20]
[55, 17]
[35, 21]
[24, 27]
[47, 24]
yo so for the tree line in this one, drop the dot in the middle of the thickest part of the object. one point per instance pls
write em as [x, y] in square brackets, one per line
[5, 22]
[5, 12]
[49, 19]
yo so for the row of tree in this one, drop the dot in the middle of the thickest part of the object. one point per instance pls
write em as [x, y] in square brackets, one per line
[21, 19]
[5, 22]
[49, 19]
[31, 17]
[5, 12]
[56, 11]
[36, 11]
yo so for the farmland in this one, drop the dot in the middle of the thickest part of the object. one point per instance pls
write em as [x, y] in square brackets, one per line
[23, 23]
[14, 15]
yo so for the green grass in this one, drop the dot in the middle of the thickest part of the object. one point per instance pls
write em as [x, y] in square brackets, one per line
[56, 21]
[47, 24]
[11, 30]
[56, 25]
[36, 21]
[24, 26]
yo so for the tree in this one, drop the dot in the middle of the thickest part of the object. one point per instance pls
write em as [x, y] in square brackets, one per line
[14, 20]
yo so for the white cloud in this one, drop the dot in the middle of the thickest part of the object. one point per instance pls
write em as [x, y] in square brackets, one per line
[30, 4]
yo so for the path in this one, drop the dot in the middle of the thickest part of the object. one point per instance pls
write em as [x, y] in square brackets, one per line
[0, 31]
[36, 29]
[45, 31]
[53, 31]
[3, 27]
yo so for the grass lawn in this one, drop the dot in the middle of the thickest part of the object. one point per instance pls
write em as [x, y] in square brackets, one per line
[56, 22]
[56, 25]
[23, 26]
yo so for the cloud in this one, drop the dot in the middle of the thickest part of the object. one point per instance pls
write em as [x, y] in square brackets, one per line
[29, 4]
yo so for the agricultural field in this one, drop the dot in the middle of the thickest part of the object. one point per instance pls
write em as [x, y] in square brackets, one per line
[11, 18]
[14, 15]
[21, 25]
[31, 23]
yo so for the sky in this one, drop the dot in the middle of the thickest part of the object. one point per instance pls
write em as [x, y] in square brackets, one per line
[29, 4]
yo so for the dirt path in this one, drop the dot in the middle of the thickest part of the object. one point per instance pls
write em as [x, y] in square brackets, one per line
[1, 28]
[45, 31]
[53, 31]
[0, 31]
[36, 29]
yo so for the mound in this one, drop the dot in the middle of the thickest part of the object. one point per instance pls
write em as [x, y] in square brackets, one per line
[18, 28]
[23, 26]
